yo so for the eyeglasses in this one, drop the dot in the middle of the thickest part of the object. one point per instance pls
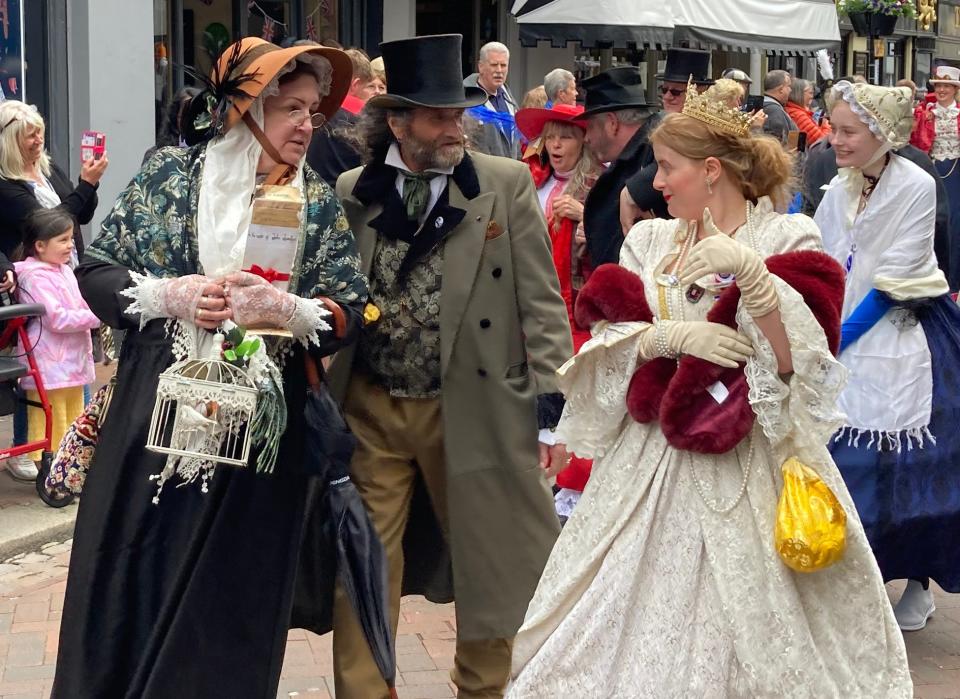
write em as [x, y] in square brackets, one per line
[672, 90]
[298, 116]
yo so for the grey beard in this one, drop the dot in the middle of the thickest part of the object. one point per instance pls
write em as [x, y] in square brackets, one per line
[428, 156]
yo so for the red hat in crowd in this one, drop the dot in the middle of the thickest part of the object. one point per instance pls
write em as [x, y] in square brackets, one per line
[531, 121]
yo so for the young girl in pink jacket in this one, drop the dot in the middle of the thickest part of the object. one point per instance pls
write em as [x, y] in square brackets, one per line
[60, 339]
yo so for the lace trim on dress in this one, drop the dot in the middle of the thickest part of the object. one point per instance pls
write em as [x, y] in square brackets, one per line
[595, 383]
[146, 294]
[308, 321]
[805, 409]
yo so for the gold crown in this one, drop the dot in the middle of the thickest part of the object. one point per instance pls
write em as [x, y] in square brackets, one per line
[715, 113]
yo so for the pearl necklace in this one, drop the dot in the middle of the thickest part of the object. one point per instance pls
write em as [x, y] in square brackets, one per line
[669, 291]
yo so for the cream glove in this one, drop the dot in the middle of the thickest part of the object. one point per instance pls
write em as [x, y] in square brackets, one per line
[718, 253]
[713, 342]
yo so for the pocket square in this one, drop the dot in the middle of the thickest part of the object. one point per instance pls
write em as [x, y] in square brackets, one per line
[494, 230]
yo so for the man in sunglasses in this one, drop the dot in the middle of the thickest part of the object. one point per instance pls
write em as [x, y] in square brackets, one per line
[639, 199]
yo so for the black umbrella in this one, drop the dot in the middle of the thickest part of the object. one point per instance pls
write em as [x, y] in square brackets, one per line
[361, 563]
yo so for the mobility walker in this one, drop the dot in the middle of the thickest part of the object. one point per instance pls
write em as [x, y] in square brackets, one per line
[14, 318]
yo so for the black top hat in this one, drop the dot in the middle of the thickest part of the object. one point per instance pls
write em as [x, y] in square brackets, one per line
[682, 63]
[425, 72]
[615, 89]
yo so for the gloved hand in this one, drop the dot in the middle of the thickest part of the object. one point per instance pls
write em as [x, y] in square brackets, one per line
[714, 342]
[718, 253]
[255, 302]
[194, 298]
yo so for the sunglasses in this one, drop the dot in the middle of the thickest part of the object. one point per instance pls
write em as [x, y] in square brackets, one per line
[3, 128]
[673, 91]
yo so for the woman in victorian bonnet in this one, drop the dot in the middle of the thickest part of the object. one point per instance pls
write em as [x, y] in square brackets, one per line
[898, 450]
[711, 365]
[181, 576]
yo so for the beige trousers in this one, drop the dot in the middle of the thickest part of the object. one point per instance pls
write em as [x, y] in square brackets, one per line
[397, 439]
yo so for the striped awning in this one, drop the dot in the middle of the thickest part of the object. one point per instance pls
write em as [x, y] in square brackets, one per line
[781, 26]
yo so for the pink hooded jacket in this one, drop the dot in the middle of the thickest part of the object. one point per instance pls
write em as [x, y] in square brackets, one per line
[61, 338]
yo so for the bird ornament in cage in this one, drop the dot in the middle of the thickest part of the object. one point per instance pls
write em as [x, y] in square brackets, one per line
[205, 411]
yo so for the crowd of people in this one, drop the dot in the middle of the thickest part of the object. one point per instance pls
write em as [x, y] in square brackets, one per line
[574, 337]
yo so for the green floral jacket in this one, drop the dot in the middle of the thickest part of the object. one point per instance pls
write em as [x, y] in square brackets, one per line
[152, 229]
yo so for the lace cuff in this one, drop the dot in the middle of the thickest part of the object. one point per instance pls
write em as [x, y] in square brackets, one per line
[805, 410]
[147, 296]
[308, 321]
[595, 384]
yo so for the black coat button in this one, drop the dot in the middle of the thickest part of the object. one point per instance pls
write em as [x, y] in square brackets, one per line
[481, 372]
[497, 272]
[484, 323]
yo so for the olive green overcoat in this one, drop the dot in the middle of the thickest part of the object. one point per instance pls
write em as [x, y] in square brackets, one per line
[504, 333]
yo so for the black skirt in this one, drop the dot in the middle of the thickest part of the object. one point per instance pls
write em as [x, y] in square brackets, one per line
[191, 597]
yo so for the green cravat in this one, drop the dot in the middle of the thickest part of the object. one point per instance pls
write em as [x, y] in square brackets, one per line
[416, 192]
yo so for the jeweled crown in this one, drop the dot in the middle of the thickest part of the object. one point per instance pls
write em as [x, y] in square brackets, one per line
[715, 113]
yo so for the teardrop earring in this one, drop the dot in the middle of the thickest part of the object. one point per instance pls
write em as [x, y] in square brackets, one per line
[709, 186]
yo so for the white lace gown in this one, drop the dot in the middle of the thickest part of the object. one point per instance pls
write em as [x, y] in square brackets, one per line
[648, 592]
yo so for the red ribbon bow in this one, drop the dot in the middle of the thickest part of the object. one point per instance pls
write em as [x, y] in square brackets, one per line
[270, 274]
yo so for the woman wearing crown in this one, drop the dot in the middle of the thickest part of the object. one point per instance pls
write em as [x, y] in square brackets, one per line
[710, 365]
[898, 450]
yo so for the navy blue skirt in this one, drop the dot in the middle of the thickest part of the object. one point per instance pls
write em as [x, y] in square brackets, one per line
[908, 498]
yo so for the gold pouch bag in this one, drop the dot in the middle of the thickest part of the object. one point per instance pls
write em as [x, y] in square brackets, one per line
[810, 532]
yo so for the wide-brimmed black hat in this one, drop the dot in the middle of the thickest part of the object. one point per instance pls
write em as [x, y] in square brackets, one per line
[682, 63]
[613, 90]
[425, 72]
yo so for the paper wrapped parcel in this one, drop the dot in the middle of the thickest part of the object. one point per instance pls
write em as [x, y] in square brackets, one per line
[274, 234]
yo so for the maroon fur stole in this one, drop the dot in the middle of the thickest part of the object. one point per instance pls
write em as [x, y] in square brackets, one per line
[676, 393]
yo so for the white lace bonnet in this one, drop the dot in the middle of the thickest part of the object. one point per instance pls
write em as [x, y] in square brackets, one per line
[887, 111]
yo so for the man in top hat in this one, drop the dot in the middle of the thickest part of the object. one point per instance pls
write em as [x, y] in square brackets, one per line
[639, 199]
[447, 391]
[618, 126]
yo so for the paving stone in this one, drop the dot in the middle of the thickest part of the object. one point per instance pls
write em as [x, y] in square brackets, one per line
[37, 672]
[33, 558]
[419, 677]
[31, 611]
[432, 691]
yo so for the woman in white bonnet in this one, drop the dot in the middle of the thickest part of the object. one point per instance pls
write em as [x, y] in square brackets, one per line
[899, 451]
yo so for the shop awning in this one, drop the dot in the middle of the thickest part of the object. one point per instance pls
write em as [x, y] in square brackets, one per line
[785, 26]
[604, 22]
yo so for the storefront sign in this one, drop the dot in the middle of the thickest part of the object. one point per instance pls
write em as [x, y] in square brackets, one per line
[11, 49]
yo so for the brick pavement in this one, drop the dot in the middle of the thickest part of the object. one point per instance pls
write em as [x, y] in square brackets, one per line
[31, 599]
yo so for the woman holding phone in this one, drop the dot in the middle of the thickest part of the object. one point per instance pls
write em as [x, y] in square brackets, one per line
[29, 180]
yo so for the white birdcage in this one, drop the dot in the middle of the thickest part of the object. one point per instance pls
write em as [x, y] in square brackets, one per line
[204, 410]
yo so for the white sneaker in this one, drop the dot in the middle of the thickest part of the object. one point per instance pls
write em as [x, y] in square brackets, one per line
[22, 468]
[915, 607]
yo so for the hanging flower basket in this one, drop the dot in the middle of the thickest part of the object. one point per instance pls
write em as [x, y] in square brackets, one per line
[876, 17]
[872, 24]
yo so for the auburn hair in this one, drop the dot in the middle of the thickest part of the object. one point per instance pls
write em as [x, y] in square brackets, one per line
[757, 164]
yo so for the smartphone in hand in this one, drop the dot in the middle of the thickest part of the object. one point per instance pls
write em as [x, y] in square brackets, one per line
[93, 144]
[753, 104]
